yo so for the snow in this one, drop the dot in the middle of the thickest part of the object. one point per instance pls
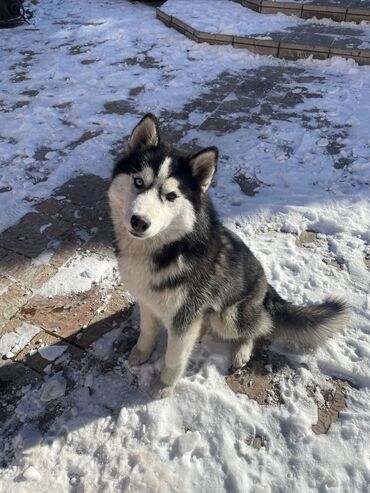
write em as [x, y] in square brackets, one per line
[224, 17]
[12, 343]
[78, 276]
[101, 432]
[31, 474]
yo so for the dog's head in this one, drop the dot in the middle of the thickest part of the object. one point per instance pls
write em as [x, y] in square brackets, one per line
[156, 189]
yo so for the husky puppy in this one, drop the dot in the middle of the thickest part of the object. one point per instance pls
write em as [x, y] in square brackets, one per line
[185, 268]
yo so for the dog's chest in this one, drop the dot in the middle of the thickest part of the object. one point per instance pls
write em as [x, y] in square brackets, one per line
[138, 277]
[135, 273]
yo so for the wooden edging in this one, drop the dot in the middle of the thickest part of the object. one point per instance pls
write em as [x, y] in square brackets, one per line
[307, 10]
[279, 49]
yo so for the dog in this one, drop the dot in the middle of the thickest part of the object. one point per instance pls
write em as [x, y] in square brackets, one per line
[186, 269]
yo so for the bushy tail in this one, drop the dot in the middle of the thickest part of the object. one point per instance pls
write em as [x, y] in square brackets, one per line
[306, 326]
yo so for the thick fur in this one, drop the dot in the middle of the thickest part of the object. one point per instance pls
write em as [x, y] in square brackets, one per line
[186, 269]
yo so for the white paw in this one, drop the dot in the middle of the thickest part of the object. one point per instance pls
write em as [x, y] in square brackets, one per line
[240, 356]
[160, 391]
[138, 357]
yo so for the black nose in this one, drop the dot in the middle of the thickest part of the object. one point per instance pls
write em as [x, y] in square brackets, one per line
[138, 224]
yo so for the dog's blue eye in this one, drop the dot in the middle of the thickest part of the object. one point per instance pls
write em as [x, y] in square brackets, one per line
[139, 183]
[171, 196]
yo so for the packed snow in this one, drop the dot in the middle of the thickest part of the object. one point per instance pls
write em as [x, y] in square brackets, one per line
[92, 427]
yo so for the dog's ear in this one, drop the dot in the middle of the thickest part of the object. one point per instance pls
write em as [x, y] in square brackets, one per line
[144, 135]
[203, 165]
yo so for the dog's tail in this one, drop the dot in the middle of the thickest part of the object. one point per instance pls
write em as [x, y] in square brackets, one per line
[305, 326]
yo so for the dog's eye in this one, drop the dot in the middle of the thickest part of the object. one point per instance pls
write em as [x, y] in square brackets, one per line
[139, 182]
[171, 196]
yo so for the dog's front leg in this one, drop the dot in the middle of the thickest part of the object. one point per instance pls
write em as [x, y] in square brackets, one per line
[149, 328]
[179, 347]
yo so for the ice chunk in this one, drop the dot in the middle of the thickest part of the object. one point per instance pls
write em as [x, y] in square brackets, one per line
[52, 352]
[53, 388]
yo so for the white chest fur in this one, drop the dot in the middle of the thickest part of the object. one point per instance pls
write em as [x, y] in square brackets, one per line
[139, 278]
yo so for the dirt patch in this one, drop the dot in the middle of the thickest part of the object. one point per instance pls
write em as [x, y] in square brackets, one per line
[334, 402]
[79, 49]
[367, 259]
[66, 315]
[119, 107]
[307, 239]
[84, 138]
[260, 378]
[31, 93]
[5, 189]
[135, 91]
[40, 153]
[333, 262]
[63, 106]
[89, 61]
[118, 147]
[256, 442]
[19, 77]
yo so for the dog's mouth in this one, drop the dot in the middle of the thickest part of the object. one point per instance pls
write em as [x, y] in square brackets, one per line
[137, 235]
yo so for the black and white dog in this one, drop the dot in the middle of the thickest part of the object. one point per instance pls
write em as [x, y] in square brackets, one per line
[186, 269]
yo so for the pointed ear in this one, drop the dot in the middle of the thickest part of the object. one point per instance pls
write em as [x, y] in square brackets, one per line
[145, 134]
[203, 165]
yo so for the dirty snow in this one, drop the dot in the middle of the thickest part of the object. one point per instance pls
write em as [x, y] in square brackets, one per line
[93, 427]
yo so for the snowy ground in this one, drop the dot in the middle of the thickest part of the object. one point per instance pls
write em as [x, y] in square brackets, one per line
[225, 17]
[73, 85]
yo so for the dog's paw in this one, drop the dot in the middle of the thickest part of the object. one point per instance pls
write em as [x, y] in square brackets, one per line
[240, 356]
[137, 357]
[160, 391]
